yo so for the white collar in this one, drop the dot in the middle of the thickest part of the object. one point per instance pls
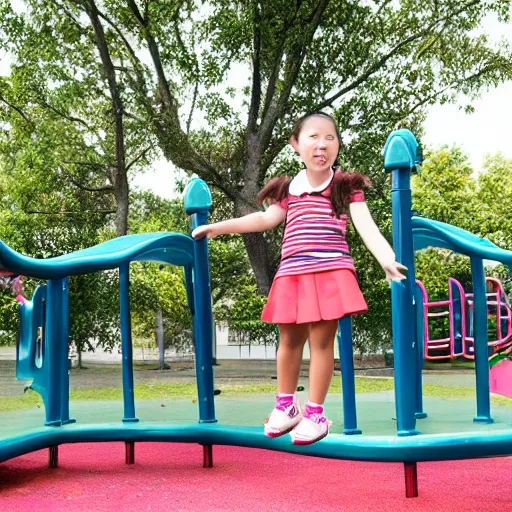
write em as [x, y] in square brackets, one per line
[300, 184]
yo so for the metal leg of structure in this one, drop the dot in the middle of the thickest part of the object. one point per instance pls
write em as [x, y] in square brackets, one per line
[411, 480]
[207, 456]
[53, 456]
[130, 452]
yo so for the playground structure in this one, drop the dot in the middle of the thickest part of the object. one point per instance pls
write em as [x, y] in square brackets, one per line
[45, 318]
[459, 311]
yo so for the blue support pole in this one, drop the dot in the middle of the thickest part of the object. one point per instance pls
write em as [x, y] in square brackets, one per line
[400, 158]
[53, 367]
[420, 341]
[347, 376]
[203, 322]
[126, 344]
[198, 202]
[64, 386]
[483, 402]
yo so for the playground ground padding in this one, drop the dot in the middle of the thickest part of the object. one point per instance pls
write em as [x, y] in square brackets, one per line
[170, 477]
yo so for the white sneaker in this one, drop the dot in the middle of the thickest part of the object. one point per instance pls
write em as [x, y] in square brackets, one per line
[309, 431]
[281, 421]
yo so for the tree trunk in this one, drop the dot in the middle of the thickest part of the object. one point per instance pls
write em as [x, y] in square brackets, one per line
[257, 250]
[118, 171]
[159, 331]
[121, 193]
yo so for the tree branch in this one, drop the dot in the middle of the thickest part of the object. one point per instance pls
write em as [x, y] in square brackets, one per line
[455, 83]
[95, 165]
[274, 75]
[106, 188]
[119, 178]
[18, 110]
[176, 145]
[141, 155]
[65, 115]
[292, 68]
[373, 68]
[194, 99]
[256, 77]
[69, 212]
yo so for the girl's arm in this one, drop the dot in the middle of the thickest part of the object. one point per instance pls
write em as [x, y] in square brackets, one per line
[258, 221]
[375, 242]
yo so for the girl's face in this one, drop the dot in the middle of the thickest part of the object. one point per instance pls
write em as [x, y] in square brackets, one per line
[317, 144]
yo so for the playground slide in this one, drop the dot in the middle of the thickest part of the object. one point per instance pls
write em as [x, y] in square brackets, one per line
[430, 233]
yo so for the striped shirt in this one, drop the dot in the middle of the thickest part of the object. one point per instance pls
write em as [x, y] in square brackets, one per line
[314, 238]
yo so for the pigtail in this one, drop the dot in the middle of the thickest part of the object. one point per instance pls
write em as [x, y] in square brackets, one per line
[344, 184]
[274, 191]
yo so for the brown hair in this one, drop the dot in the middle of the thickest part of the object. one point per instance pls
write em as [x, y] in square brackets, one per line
[275, 190]
[344, 184]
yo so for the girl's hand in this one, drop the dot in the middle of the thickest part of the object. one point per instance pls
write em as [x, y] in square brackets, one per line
[202, 232]
[393, 273]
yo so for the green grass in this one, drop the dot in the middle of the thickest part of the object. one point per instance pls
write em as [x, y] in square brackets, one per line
[175, 391]
[27, 401]
[449, 365]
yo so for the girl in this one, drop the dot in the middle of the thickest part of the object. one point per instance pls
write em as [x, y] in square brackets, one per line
[315, 284]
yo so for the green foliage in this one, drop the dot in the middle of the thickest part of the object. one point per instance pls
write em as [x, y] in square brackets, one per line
[243, 314]
[153, 288]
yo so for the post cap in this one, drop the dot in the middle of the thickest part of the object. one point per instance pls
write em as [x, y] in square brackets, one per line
[402, 151]
[197, 196]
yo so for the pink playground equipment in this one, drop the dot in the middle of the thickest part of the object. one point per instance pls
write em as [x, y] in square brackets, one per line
[459, 342]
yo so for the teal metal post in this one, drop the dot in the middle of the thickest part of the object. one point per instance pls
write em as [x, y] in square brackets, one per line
[420, 347]
[64, 386]
[198, 202]
[400, 158]
[53, 367]
[347, 376]
[483, 403]
[126, 344]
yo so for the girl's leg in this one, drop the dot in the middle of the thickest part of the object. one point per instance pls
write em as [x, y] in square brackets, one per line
[292, 338]
[321, 366]
[286, 413]
[314, 425]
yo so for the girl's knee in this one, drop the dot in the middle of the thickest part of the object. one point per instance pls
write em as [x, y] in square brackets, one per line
[322, 346]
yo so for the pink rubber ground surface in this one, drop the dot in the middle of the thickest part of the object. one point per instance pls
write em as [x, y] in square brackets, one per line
[170, 477]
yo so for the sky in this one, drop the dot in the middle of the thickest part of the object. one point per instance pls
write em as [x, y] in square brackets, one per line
[487, 131]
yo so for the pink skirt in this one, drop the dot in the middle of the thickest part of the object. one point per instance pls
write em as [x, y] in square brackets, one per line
[306, 298]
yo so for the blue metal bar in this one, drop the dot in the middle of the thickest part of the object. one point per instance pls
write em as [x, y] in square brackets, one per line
[126, 344]
[64, 344]
[347, 376]
[52, 356]
[203, 323]
[483, 400]
[404, 342]
[420, 319]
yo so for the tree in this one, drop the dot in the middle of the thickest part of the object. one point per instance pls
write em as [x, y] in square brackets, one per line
[495, 193]
[39, 218]
[447, 190]
[157, 291]
[375, 64]
[64, 104]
